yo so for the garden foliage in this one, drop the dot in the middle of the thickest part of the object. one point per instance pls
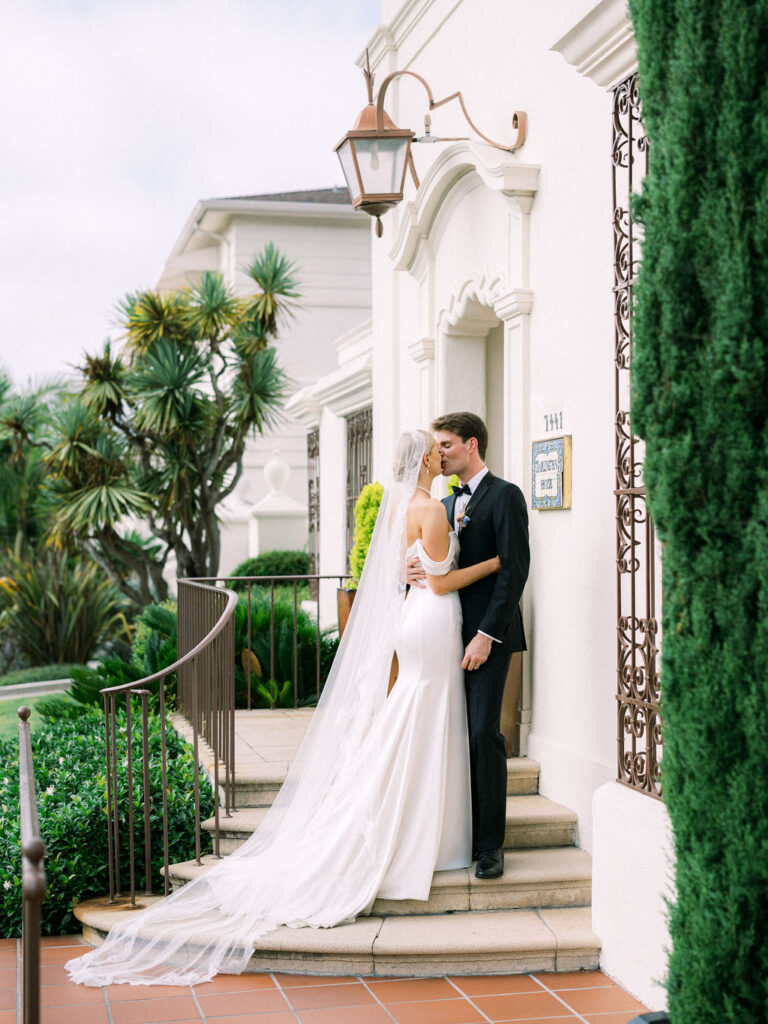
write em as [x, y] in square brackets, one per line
[274, 563]
[58, 608]
[156, 432]
[70, 778]
[272, 676]
[700, 380]
[366, 511]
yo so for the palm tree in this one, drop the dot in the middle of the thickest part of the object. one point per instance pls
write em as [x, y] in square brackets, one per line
[157, 433]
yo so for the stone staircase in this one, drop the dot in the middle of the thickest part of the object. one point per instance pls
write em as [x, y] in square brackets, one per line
[536, 917]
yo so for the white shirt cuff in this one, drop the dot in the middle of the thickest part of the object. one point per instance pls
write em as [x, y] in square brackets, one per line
[495, 639]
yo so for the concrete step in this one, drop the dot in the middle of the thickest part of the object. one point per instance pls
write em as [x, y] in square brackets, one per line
[476, 942]
[532, 821]
[552, 877]
[257, 785]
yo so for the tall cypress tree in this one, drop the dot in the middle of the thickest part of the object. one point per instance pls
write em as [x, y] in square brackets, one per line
[700, 399]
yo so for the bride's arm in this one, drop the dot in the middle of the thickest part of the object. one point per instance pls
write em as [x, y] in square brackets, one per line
[458, 578]
[435, 531]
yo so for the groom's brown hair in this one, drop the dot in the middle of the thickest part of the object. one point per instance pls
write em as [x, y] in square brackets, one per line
[466, 425]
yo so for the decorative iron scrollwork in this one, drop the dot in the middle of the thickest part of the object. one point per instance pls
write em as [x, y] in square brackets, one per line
[637, 656]
[313, 507]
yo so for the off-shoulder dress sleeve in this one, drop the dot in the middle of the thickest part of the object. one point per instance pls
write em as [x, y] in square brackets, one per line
[430, 565]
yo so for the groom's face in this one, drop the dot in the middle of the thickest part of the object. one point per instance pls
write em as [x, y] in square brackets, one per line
[455, 454]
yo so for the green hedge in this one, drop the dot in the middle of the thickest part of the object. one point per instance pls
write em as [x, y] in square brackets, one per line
[275, 563]
[70, 780]
[700, 380]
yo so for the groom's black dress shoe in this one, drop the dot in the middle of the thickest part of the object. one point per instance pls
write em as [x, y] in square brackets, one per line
[490, 864]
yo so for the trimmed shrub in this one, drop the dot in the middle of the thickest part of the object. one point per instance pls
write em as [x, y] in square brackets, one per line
[275, 563]
[700, 380]
[366, 511]
[70, 779]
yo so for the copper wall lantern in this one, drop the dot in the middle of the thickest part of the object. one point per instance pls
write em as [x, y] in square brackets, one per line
[375, 154]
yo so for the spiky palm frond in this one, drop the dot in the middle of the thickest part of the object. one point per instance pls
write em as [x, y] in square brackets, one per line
[152, 317]
[174, 481]
[104, 390]
[258, 391]
[97, 507]
[78, 430]
[276, 276]
[164, 382]
[20, 418]
[248, 339]
[213, 309]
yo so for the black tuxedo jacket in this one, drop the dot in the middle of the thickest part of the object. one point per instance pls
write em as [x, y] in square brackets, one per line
[498, 525]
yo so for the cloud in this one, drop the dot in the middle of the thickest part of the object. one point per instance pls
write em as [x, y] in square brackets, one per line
[118, 115]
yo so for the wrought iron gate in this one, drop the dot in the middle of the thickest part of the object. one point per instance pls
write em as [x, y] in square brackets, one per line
[313, 506]
[359, 451]
[638, 696]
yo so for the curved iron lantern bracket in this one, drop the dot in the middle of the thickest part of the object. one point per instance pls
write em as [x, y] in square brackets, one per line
[519, 118]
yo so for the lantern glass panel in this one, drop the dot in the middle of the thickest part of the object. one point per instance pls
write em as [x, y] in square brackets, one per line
[348, 167]
[381, 163]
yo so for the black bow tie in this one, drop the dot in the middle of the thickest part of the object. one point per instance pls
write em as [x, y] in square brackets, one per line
[461, 490]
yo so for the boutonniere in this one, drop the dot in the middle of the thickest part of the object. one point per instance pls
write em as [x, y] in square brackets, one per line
[463, 518]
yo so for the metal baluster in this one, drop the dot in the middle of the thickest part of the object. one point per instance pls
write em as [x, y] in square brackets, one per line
[109, 795]
[317, 639]
[129, 786]
[115, 795]
[250, 647]
[295, 644]
[164, 775]
[144, 694]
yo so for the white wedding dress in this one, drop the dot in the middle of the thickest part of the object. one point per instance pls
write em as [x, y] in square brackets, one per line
[373, 814]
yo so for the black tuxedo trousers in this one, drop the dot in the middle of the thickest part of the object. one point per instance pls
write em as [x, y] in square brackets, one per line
[496, 520]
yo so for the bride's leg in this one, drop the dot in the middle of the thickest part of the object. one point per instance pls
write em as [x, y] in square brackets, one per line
[393, 673]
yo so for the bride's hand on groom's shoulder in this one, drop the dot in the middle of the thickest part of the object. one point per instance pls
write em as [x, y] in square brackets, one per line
[415, 575]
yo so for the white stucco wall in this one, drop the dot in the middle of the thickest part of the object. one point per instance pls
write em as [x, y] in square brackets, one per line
[462, 262]
[563, 366]
[633, 864]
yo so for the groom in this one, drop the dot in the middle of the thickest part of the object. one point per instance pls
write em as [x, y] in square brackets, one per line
[490, 517]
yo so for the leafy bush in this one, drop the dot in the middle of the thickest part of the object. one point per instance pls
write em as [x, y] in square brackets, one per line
[275, 563]
[70, 779]
[366, 511]
[59, 608]
[273, 689]
[153, 649]
[157, 648]
[157, 620]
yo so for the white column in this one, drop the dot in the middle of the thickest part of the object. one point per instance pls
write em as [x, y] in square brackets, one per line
[513, 309]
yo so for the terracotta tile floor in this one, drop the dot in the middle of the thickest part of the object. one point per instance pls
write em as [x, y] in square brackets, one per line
[585, 997]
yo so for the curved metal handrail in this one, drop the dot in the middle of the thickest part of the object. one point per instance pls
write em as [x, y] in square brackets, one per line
[215, 723]
[227, 614]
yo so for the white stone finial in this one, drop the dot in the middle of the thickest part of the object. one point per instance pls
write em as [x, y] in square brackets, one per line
[276, 473]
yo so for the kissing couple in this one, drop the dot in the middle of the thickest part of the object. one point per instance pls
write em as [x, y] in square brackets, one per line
[393, 780]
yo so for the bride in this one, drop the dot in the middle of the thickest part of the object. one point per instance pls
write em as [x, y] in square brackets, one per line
[378, 796]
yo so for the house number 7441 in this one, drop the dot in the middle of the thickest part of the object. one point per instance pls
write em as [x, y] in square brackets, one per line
[553, 421]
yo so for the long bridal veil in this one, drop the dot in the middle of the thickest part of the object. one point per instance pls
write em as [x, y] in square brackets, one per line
[277, 877]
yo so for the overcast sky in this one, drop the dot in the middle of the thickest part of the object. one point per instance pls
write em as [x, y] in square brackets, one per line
[116, 116]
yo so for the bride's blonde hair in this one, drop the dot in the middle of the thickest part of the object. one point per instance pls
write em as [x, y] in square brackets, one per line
[411, 448]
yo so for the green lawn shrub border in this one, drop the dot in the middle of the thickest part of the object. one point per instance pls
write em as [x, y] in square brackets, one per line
[70, 780]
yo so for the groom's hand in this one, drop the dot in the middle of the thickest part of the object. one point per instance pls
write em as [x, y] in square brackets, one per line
[476, 652]
[415, 576]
